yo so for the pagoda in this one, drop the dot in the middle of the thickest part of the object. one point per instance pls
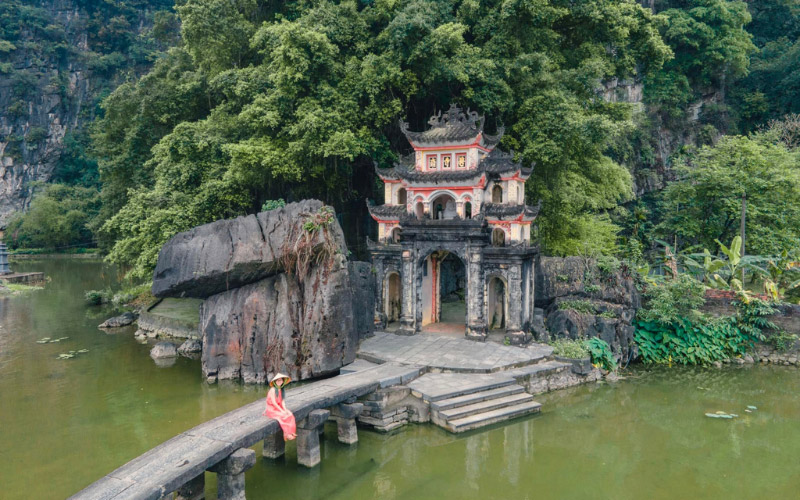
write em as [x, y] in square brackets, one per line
[454, 234]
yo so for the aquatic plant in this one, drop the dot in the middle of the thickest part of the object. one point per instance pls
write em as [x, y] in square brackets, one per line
[601, 353]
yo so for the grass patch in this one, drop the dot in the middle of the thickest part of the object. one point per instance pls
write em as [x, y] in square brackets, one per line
[16, 288]
[581, 306]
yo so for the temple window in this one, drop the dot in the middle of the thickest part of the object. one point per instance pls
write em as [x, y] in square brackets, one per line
[432, 162]
[467, 210]
[419, 210]
[401, 196]
[446, 161]
[396, 235]
[498, 237]
[461, 160]
[497, 194]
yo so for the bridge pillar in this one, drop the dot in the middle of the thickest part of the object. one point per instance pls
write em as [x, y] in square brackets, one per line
[308, 438]
[230, 473]
[345, 416]
[193, 490]
[274, 445]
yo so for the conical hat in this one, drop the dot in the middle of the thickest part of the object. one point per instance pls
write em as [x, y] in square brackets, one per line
[279, 376]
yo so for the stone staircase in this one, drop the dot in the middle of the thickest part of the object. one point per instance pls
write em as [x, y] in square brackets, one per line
[461, 403]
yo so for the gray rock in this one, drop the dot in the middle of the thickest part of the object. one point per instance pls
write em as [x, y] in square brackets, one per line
[163, 350]
[191, 346]
[279, 324]
[227, 254]
[123, 319]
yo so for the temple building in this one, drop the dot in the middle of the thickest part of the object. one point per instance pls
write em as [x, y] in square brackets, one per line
[454, 234]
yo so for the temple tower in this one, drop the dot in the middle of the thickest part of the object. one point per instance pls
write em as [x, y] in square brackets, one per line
[455, 233]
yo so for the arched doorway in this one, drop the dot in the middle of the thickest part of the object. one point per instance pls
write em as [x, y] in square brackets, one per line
[392, 294]
[396, 235]
[419, 210]
[401, 196]
[443, 293]
[468, 210]
[498, 237]
[443, 207]
[497, 194]
[496, 303]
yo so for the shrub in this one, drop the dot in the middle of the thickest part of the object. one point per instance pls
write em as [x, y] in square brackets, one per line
[272, 205]
[98, 297]
[782, 341]
[568, 348]
[601, 353]
[591, 288]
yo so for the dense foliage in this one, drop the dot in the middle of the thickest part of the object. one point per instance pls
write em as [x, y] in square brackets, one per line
[296, 100]
[671, 329]
[704, 204]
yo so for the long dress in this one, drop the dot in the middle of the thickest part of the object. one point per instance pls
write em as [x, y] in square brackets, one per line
[276, 410]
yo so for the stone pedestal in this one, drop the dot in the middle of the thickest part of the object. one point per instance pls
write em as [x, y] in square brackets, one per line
[274, 445]
[308, 453]
[517, 337]
[230, 473]
[345, 416]
[193, 490]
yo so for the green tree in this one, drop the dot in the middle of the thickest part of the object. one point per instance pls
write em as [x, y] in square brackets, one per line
[704, 203]
[56, 218]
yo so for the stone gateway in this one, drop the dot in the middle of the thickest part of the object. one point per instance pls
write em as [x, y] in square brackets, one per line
[455, 230]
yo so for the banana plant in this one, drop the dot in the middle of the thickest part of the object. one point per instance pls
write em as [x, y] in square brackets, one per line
[708, 267]
[731, 267]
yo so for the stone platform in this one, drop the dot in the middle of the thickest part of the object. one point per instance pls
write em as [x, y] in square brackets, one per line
[450, 354]
[23, 278]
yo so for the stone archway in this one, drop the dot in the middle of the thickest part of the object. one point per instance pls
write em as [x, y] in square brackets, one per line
[392, 293]
[442, 292]
[496, 303]
[443, 206]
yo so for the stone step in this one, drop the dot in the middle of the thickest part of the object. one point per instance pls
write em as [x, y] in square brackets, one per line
[484, 406]
[434, 387]
[492, 417]
[475, 397]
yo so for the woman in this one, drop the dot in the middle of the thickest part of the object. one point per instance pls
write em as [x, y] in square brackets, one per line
[276, 408]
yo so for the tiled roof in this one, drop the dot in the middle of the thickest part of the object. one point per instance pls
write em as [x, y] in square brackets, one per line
[509, 210]
[387, 211]
[494, 164]
[455, 126]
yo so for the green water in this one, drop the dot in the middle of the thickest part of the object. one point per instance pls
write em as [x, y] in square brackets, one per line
[63, 424]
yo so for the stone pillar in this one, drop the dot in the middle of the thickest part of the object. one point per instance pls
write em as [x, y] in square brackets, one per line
[345, 416]
[514, 332]
[476, 323]
[193, 490]
[407, 323]
[308, 438]
[274, 445]
[230, 473]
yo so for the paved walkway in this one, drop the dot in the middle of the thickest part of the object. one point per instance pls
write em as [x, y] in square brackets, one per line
[450, 354]
[173, 463]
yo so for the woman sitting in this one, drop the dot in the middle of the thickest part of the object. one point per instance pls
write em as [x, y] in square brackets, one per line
[276, 408]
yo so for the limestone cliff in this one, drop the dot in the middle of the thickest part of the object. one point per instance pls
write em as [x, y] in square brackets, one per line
[57, 59]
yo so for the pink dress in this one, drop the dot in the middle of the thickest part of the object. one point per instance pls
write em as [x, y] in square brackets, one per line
[275, 410]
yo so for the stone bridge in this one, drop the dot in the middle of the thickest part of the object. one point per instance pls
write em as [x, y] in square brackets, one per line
[222, 445]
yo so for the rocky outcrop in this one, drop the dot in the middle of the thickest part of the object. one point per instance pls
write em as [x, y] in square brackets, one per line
[123, 319]
[227, 254]
[163, 350]
[576, 298]
[259, 318]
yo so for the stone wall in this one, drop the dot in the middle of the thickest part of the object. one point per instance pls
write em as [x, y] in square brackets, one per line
[611, 293]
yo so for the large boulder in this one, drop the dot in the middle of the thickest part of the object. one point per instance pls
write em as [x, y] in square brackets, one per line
[305, 328]
[227, 254]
